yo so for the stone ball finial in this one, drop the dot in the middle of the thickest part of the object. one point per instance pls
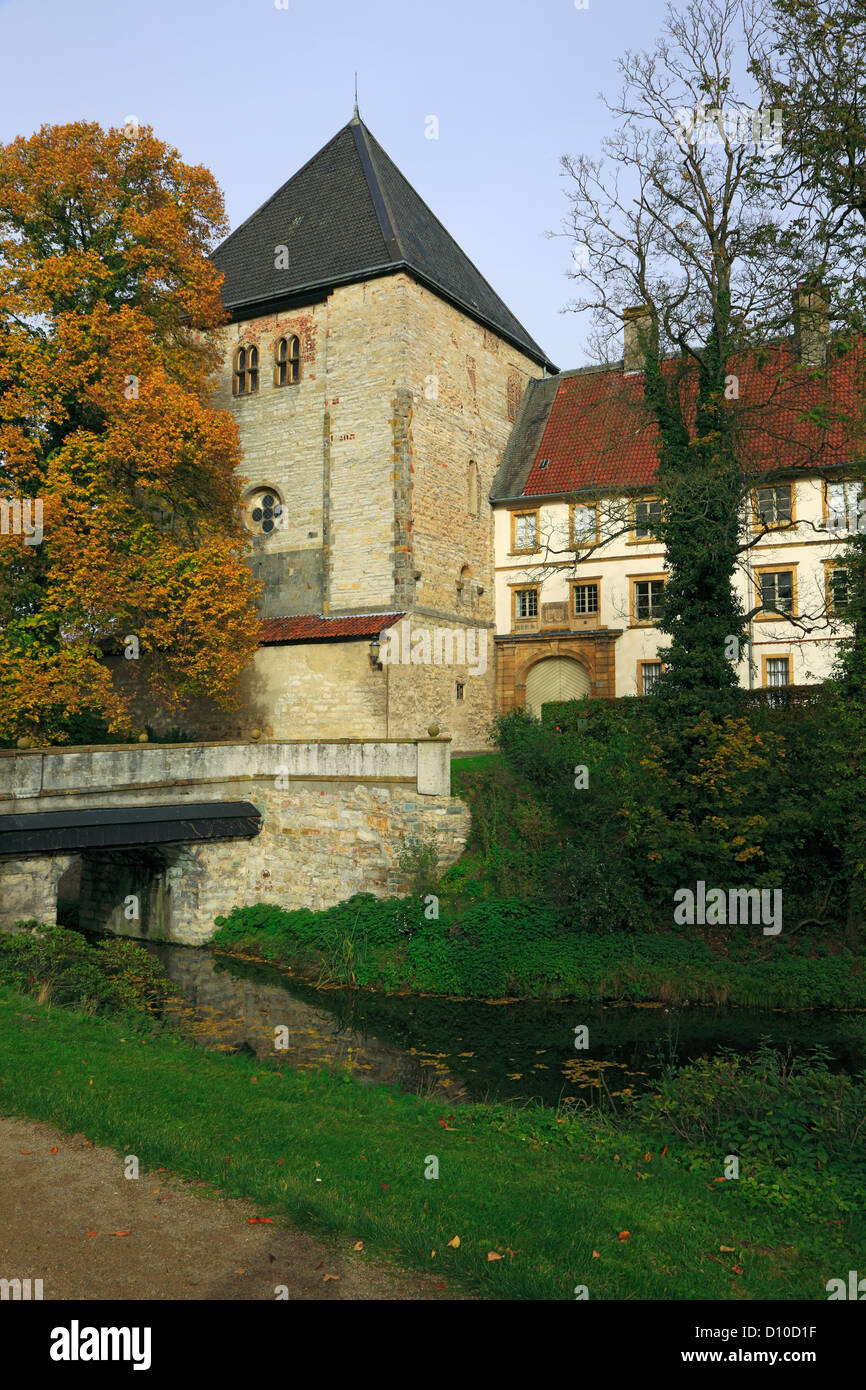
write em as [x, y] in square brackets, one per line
[433, 730]
[24, 742]
[143, 738]
[255, 734]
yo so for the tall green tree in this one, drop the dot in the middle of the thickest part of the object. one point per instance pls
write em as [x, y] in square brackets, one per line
[816, 67]
[683, 217]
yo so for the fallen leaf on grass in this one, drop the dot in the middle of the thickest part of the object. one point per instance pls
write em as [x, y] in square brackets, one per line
[118, 1233]
[664, 1150]
[240, 1271]
[455, 1242]
[260, 1220]
[440, 1284]
[492, 1255]
[326, 1277]
[54, 1150]
[359, 1245]
[728, 1248]
[384, 1185]
[92, 1233]
[27, 1151]
[625, 1235]
[738, 1269]
[595, 1255]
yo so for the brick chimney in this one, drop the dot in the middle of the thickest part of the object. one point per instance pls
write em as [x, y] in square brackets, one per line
[637, 325]
[811, 323]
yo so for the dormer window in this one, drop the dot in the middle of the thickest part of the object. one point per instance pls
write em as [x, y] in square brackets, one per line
[246, 371]
[288, 362]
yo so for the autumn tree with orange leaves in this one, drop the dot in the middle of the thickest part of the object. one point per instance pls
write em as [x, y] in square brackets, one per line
[119, 518]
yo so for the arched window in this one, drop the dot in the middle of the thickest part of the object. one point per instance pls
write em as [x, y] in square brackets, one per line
[465, 588]
[263, 511]
[474, 502]
[246, 372]
[288, 362]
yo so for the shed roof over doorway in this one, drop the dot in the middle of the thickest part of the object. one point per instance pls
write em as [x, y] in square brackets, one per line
[112, 827]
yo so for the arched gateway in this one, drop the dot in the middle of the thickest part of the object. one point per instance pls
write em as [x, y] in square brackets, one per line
[555, 678]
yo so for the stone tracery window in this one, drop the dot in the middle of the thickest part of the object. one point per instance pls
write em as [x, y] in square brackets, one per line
[245, 377]
[263, 511]
[288, 361]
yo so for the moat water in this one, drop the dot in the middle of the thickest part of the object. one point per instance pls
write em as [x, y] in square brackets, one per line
[465, 1050]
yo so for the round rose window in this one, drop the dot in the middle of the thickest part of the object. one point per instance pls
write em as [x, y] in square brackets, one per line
[263, 512]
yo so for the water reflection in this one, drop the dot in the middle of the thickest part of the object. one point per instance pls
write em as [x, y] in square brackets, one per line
[469, 1050]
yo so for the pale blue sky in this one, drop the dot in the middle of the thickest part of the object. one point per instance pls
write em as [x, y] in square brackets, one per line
[253, 91]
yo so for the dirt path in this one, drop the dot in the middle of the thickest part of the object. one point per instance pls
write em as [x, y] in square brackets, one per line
[59, 1213]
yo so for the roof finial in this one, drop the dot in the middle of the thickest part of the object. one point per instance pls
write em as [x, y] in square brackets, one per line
[357, 114]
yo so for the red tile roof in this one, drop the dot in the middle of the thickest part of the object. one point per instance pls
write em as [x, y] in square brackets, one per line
[314, 628]
[599, 432]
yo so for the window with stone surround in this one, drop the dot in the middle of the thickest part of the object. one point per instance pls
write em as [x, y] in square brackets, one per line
[263, 511]
[776, 592]
[844, 506]
[584, 524]
[584, 598]
[524, 532]
[777, 673]
[288, 362]
[245, 378]
[647, 599]
[645, 515]
[773, 506]
[837, 581]
[648, 676]
[525, 604]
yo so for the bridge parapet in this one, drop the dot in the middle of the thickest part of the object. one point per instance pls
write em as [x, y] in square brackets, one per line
[115, 770]
[333, 815]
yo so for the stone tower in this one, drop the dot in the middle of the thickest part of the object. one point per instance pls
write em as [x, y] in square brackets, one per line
[375, 377]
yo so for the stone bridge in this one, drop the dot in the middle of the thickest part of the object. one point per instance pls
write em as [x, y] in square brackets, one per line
[158, 840]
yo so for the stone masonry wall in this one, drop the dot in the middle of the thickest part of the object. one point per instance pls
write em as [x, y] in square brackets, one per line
[466, 385]
[334, 819]
[400, 396]
[280, 431]
[318, 846]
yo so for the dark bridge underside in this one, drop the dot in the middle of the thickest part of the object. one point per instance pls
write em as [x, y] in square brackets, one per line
[112, 827]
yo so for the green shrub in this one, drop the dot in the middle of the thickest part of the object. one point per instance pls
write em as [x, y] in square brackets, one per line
[62, 967]
[786, 1110]
[418, 862]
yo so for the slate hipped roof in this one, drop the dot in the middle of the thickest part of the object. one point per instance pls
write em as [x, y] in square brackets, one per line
[347, 215]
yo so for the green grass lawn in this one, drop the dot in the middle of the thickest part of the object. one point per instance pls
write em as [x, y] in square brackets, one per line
[552, 1189]
[476, 764]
